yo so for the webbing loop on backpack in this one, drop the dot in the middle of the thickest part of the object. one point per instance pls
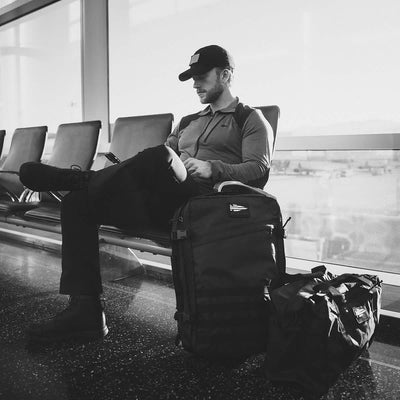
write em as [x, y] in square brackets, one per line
[183, 317]
[178, 340]
[179, 234]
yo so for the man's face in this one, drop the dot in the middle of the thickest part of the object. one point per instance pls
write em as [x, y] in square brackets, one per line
[209, 86]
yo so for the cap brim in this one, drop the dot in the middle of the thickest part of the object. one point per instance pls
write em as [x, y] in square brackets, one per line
[194, 70]
[185, 75]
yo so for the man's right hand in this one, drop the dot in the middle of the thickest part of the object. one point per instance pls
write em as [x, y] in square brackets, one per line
[198, 168]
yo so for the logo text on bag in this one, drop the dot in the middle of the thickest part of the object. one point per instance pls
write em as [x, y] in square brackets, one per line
[239, 210]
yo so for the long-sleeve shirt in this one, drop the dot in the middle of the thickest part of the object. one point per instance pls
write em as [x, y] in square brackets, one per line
[234, 152]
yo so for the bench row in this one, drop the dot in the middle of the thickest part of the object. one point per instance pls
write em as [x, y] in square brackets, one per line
[130, 136]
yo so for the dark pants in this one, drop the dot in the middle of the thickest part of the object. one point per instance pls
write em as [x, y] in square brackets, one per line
[139, 193]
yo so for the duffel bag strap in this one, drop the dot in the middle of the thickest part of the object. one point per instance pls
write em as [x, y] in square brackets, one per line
[347, 278]
[331, 287]
[316, 272]
[326, 287]
[354, 277]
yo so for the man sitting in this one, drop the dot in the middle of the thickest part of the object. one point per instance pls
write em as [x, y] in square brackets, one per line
[225, 141]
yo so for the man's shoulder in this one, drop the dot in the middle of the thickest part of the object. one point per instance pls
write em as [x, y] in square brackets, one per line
[242, 106]
[187, 119]
[242, 113]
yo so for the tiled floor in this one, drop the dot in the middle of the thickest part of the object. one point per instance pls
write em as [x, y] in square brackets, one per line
[138, 359]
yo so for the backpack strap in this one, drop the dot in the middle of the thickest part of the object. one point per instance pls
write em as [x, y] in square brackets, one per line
[185, 121]
[241, 114]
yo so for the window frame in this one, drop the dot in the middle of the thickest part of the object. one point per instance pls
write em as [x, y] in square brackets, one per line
[94, 56]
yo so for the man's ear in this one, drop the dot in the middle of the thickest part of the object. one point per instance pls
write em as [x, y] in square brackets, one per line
[226, 75]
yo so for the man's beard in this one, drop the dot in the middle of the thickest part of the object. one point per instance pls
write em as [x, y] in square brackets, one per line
[213, 94]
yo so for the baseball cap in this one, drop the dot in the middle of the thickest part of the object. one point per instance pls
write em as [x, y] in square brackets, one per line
[205, 59]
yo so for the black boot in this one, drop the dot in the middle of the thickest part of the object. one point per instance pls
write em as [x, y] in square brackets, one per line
[83, 318]
[41, 177]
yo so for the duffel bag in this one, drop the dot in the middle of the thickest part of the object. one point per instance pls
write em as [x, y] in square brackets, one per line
[319, 324]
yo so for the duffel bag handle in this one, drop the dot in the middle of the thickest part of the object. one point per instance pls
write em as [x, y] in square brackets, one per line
[331, 287]
[324, 286]
[316, 272]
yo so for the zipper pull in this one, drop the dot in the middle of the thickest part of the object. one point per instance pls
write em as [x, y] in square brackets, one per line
[179, 219]
[283, 228]
[270, 228]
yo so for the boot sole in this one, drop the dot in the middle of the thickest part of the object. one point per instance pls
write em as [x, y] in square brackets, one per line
[98, 334]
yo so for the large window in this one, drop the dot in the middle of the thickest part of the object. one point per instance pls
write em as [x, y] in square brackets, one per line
[332, 66]
[40, 68]
[345, 206]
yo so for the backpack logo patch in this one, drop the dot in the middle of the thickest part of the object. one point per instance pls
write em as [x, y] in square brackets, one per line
[237, 210]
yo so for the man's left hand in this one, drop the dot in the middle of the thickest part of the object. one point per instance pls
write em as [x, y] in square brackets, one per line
[198, 168]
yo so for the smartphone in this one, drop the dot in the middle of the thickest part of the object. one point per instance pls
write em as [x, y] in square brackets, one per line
[112, 157]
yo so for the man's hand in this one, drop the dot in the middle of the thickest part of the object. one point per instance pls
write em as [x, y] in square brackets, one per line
[198, 168]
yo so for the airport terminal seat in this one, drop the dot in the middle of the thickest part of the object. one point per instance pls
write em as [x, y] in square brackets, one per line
[26, 145]
[130, 136]
[157, 240]
[128, 140]
[75, 145]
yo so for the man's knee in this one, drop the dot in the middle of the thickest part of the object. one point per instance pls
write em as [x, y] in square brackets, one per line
[152, 159]
[176, 165]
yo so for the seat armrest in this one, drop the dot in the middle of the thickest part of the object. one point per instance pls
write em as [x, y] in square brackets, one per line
[238, 187]
[28, 196]
[58, 196]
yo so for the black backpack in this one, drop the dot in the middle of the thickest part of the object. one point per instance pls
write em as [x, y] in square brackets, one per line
[224, 249]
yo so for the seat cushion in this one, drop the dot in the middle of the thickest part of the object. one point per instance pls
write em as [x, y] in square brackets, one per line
[13, 207]
[45, 212]
[159, 236]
